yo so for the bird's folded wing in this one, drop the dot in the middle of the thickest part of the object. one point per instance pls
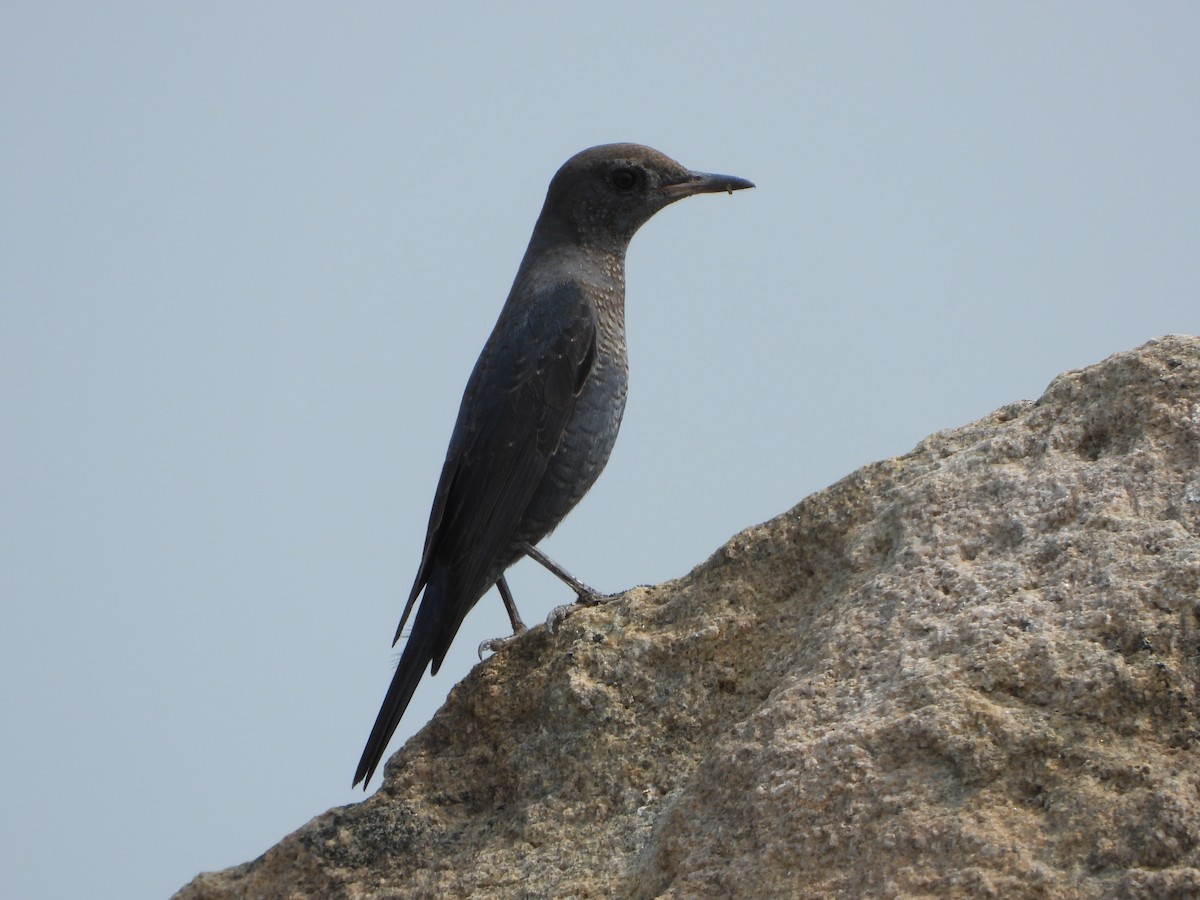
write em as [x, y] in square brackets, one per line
[515, 408]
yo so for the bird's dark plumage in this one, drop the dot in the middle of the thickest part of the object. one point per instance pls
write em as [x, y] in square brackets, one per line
[542, 407]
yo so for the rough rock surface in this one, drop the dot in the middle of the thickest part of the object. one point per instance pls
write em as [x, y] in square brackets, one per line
[969, 671]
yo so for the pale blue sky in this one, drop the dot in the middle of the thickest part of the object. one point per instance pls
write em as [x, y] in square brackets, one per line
[249, 255]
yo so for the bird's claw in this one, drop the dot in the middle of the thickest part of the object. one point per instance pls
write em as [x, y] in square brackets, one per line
[559, 613]
[492, 645]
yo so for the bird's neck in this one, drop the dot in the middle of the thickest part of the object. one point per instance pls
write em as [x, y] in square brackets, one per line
[600, 270]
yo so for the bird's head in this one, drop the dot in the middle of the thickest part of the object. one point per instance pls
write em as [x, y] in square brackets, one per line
[602, 195]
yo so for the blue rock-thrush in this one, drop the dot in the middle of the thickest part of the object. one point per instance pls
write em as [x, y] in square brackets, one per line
[542, 407]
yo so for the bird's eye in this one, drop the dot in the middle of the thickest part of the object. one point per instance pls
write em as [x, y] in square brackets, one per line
[624, 179]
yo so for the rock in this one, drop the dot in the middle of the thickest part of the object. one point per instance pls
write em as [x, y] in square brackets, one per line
[969, 671]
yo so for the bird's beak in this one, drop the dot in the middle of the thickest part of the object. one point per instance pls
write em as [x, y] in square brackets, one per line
[704, 183]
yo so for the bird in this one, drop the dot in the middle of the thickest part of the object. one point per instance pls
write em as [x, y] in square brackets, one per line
[541, 409]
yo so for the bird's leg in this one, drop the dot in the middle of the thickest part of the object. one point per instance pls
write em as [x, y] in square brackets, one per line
[510, 605]
[514, 617]
[586, 595]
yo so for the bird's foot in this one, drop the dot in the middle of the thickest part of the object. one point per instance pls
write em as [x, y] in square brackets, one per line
[493, 645]
[586, 598]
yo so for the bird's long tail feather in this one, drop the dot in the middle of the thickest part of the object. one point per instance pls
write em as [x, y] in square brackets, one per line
[420, 649]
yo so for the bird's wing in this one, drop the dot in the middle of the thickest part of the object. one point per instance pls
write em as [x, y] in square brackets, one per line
[517, 403]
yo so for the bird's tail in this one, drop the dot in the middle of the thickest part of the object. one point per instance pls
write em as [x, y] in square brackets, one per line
[418, 652]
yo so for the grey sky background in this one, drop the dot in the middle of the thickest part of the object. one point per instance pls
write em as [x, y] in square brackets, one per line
[251, 251]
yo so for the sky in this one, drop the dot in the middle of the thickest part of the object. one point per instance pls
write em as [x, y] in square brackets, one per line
[250, 253]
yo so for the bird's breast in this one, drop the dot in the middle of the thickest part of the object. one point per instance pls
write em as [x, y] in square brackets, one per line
[586, 443]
